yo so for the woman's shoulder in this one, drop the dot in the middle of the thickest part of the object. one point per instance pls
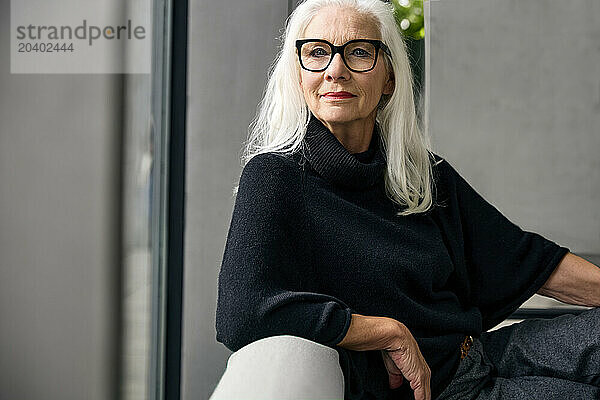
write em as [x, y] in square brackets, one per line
[271, 174]
[444, 175]
[274, 160]
[439, 166]
[449, 179]
[443, 169]
[272, 165]
[436, 159]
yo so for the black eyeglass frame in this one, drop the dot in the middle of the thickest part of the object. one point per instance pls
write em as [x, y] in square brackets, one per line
[340, 49]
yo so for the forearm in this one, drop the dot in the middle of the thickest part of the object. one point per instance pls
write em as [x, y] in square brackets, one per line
[372, 333]
[574, 281]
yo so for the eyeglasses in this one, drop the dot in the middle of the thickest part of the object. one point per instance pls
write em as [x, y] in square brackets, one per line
[359, 55]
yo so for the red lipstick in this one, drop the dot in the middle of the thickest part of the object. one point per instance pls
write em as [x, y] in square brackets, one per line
[338, 95]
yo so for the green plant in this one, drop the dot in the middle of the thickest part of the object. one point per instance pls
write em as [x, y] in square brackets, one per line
[409, 16]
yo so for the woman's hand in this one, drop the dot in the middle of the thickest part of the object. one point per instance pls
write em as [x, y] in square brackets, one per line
[401, 355]
[403, 359]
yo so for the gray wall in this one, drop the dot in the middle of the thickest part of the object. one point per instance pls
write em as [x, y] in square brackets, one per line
[514, 105]
[231, 46]
[59, 181]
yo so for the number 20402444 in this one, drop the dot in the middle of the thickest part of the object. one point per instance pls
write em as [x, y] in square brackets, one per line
[45, 47]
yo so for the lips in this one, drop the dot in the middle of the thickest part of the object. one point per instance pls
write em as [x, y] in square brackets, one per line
[338, 95]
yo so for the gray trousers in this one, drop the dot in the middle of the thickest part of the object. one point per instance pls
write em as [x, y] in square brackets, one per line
[538, 359]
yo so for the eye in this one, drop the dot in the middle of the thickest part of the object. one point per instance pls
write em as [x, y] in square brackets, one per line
[360, 52]
[318, 52]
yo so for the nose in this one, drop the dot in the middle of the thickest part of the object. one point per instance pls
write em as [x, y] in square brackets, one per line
[337, 70]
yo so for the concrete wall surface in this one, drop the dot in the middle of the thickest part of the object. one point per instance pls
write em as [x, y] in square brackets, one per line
[514, 104]
[231, 45]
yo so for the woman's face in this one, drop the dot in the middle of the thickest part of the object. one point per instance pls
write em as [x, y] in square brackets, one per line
[338, 26]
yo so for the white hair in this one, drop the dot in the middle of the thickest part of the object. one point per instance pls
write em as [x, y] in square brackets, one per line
[283, 115]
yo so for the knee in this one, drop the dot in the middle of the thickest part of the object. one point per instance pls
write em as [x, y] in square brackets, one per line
[284, 366]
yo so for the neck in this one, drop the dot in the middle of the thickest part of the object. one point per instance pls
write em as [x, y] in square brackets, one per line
[334, 163]
[355, 136]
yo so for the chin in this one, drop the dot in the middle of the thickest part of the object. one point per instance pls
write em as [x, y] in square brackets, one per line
[337, 117]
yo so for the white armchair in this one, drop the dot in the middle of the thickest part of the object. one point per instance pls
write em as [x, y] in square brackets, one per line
[283, 368]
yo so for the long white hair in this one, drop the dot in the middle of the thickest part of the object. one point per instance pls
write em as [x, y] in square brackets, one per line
[283, 115]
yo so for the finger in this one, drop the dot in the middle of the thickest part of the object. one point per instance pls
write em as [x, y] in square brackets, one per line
[427, 385]
[421, 388]
[420, 394]
[395, 381]
[427, 390]
[389, 363]
[395, 377]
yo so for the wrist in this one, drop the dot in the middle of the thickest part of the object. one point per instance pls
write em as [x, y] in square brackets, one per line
[372, 333]
[397, 337]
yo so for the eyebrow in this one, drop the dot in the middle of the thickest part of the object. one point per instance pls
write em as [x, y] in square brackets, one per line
[344, 42]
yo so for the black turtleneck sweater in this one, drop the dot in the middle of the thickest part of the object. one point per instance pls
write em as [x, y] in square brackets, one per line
[314, 238]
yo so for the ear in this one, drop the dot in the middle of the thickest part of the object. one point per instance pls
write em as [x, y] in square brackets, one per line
[388, 88]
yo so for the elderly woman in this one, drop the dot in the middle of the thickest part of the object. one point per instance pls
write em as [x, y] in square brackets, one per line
[347, 231]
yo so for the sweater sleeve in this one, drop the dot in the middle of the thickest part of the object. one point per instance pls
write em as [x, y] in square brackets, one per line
[264, 269]
[506, 264]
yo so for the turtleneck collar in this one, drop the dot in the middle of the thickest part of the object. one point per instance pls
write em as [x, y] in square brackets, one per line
[330, 159]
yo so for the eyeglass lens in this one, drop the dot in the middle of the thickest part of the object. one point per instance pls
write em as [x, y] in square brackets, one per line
[359, 56]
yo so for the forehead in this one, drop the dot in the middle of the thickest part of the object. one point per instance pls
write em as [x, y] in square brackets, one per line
[339, 25]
